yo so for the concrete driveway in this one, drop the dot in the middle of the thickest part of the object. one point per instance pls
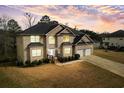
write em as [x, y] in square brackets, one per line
[109, 65]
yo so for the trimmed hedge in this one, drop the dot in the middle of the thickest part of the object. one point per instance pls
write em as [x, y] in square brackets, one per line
[69, 58]
[33, 63]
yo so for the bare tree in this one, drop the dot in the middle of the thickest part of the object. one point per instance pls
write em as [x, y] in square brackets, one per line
[3, 22]
[29, 20]
[4, 39]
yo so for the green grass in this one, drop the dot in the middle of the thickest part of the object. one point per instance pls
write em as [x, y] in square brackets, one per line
[111, 55]
[50, 75]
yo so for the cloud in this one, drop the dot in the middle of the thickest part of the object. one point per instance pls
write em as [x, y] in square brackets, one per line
[99, 18]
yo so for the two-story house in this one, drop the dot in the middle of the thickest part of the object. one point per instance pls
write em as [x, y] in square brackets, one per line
[51, 38]
[115, 39]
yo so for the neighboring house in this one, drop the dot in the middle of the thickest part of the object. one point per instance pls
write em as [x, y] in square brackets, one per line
[96, 44]
[51, 38]
[115, 39]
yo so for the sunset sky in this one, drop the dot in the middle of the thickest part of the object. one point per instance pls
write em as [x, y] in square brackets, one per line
[98, 18]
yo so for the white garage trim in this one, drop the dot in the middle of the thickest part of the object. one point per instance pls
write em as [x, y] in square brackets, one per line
[87, 52]
[80, 52]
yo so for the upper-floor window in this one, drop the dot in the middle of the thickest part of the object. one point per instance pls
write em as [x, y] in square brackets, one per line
[35, 38]
[51, 40]
[66, 38]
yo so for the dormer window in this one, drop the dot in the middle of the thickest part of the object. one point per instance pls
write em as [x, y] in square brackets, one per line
[66, 38]
[35, 38]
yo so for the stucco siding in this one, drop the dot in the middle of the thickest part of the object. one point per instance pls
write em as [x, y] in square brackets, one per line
[55, 30]
[64, 31]
[52, 33]
[41, 39]
[22, 49]
[26, 42]
[85, 39]
[60, 39]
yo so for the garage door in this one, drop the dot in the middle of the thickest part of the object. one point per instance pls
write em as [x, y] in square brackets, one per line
[80, 52]
[87, 52]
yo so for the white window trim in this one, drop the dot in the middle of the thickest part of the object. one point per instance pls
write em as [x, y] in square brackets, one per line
[36, 52]
[66, 51]
[35, 38]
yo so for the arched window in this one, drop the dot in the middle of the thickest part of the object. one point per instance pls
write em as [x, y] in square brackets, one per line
[66, 38]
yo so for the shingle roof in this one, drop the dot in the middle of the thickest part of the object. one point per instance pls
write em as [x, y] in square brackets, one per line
[119, 33]
[35, 44]
[43, 28]
[81, 42]
[39, 29]
[77, 38]
[77, 33]
[66, 43]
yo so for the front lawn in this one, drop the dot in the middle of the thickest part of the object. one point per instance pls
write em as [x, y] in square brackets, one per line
[111, 55]
[50, 75]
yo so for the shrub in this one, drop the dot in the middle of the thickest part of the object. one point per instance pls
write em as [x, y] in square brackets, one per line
[60, 59]
[64, 59]
[77, 56]
[34, 63]
[46, 60]
[69, 58]
[40, 62]
[52, 61]
[19, 63]
[27, 63]
[73, 57]
[121, 49]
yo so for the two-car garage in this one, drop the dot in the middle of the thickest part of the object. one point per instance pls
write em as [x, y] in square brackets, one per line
[87, 52]
[84, 52]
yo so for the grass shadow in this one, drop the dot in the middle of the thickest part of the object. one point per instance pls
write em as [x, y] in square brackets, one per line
[8, 64]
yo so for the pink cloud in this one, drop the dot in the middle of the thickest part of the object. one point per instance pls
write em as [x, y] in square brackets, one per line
[105, 18]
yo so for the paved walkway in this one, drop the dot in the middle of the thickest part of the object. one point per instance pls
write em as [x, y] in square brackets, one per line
[66, 63]
[112, 66]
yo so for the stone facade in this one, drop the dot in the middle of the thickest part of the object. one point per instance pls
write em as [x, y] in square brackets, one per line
[24, 52]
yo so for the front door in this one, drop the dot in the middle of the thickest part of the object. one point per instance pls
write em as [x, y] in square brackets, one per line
[51, 52]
